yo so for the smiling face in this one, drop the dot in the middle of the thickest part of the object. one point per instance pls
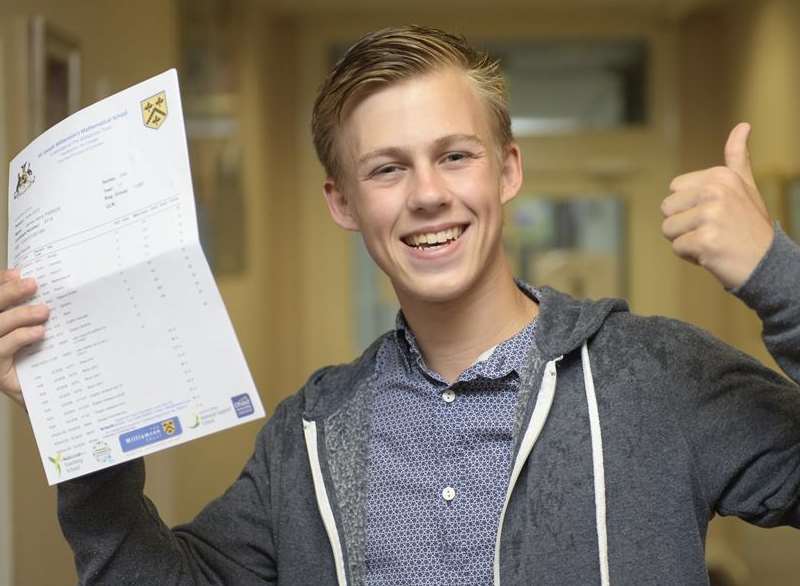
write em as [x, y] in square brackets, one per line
[424, 182]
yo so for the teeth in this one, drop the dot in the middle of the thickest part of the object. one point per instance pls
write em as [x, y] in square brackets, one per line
[432, 238]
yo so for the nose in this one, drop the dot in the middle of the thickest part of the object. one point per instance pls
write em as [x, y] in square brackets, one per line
[428, 190]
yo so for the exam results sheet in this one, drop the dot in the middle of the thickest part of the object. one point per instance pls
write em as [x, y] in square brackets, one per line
[139, 353]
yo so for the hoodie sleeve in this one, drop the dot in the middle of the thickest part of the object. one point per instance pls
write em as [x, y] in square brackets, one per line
[118, 537]
[773, 292]
[741, 419]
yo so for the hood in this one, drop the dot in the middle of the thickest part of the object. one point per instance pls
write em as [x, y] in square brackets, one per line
[565, 323]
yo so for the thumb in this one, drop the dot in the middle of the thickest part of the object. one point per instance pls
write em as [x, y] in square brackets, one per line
[737, 155]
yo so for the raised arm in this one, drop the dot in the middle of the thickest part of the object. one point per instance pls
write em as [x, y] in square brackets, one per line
[741, 419]
[716, 218]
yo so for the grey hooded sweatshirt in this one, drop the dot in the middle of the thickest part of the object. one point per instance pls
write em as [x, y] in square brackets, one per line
[632, 432]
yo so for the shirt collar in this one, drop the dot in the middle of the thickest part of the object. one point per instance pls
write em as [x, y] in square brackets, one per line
[495, 363]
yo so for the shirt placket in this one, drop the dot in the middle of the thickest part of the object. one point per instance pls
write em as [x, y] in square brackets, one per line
[448, 410]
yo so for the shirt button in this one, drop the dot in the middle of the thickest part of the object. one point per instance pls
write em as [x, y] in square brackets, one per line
[448, 396]
[449, 493]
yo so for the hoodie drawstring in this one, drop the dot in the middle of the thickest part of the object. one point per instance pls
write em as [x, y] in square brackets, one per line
[540, 412]
[597, 464]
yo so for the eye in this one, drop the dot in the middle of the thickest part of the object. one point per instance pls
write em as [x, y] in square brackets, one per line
[385, 171]
[456, 157]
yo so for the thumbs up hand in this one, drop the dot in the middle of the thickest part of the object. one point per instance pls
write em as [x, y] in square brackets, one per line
[717, 218]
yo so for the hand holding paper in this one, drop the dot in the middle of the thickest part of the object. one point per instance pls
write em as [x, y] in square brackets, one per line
[138, 352]
[19, 327]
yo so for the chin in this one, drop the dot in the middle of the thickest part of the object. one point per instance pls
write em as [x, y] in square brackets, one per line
[442, 288]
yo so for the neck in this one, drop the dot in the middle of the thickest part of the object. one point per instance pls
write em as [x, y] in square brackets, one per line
[452, 334]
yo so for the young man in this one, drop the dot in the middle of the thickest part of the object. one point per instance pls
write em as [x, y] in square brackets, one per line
[501, 434]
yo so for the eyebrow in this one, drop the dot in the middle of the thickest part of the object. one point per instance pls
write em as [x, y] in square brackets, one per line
[438, 144]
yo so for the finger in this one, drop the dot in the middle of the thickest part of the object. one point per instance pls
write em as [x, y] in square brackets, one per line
[11, 343]
[680, 202]
[24, 315]
[689, 181]
[687, 246]
[737, 154]
[679, 224]
[16, 291]
[698, 180]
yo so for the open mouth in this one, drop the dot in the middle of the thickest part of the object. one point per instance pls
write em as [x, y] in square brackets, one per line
[435, 240]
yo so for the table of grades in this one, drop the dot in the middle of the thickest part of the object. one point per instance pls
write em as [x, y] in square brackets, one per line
[139, 353]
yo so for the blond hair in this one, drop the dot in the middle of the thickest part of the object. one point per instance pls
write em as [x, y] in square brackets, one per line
[384, 57]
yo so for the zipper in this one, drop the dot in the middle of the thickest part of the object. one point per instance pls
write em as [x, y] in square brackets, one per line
[540, 412]
[324, 504]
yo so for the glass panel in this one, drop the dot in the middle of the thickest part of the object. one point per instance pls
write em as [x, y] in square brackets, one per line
[566, 86]
[573, 243]
[209, 51]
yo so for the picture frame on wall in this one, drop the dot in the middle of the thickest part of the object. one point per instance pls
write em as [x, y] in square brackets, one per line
[54, 73]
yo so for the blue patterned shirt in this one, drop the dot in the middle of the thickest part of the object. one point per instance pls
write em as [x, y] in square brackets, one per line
[439, 462]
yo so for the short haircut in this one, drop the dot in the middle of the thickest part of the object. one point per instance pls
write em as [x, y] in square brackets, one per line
[387, 56]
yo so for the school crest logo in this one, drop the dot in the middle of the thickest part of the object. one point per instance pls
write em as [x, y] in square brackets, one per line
[102, 452]
[25, 178]
[154, 110]
[168, 426]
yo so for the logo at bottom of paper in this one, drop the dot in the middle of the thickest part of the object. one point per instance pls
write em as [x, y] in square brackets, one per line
[150, 434]
[56, 461]
[243, 405]
[102, 452]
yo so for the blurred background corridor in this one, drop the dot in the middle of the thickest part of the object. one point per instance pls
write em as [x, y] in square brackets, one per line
[610, 99]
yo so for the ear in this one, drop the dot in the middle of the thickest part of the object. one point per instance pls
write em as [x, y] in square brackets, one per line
[511, 173]
[339, 205]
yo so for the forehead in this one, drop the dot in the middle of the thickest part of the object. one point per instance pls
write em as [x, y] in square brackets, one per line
[414, 113]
